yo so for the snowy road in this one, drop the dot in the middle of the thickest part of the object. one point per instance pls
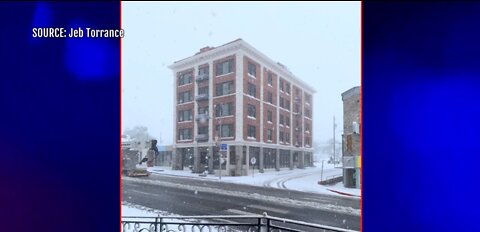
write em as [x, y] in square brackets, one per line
[290, 181]
[184, 196]
[305, 180]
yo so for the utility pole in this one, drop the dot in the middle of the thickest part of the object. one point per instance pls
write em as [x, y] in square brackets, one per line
[321, 175]
[334, 155]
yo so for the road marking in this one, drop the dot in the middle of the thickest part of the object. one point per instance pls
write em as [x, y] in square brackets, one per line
[281, 211]
[273, 199]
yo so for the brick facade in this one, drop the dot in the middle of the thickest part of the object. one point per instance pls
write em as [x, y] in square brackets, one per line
[240, 75]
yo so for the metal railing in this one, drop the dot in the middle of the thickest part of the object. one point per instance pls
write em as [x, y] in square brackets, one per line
[202, 117]
[202, 137]
[224, 223]
[201, 97]
[202, 77]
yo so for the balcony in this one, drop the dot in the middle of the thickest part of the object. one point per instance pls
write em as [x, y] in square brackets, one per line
[201, 77]
[201, 97]
[202, 138]
[202, 118]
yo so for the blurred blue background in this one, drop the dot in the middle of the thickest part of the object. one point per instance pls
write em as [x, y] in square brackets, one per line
[60, 119]
[421, 76]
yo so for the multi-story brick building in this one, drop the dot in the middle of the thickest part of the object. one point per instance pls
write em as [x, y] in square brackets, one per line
[235, 95]
[351, 137]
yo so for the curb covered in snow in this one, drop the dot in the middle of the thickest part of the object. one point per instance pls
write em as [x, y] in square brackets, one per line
[342, 193]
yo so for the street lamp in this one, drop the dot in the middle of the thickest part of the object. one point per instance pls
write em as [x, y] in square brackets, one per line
[219, 109]
[190, 159]
[270, 156]
[205, 171]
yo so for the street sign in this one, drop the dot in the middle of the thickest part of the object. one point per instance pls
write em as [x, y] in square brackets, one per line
[223, 147]
[253, 160]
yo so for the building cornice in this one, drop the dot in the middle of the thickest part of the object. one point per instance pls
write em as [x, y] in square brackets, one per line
[355, 91]
[205, 56]
[272, 65]
[232, 47]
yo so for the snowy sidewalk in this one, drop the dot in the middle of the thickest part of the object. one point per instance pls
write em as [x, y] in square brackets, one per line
[305, 180]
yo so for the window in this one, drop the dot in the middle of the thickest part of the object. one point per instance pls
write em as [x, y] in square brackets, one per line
[252, 90]
[269, 116]
[307, 126]
[284, 103]
[308, 113]
[203, 110]
[282, 136]
[251, 131]
[270, 97]
[185, 115]
[252, 69]
[224, 110]
[224, 88]
[287, 87]
[287, 137]
[203, 71]
[287, 121]
[203, 90]
[252, 111]
[280, 84]
[308, 99]
[269, 134]
[232, 156]
[297, 124]
[307, 141]
[185, 78]
[349, 143]
[296, 108]
[203, 130]
[226, 130]
[297, 91]
[225, 67]
[282, 119]
[184, 134]
[185, 97]
[270, 79]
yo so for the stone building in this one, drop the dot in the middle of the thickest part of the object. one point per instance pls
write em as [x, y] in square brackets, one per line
[236, 96]
[351, 138]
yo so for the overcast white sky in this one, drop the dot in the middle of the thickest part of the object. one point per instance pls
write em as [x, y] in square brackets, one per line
[318, 42]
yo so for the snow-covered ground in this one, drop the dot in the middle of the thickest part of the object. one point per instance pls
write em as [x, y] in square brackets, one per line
[298, 179]
[143, 214]
[139, 211]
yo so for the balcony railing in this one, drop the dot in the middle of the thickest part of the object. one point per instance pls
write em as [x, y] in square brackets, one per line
[201, 97]
[202, 77]
[202, 118]
[221, 223]
[202, 137]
